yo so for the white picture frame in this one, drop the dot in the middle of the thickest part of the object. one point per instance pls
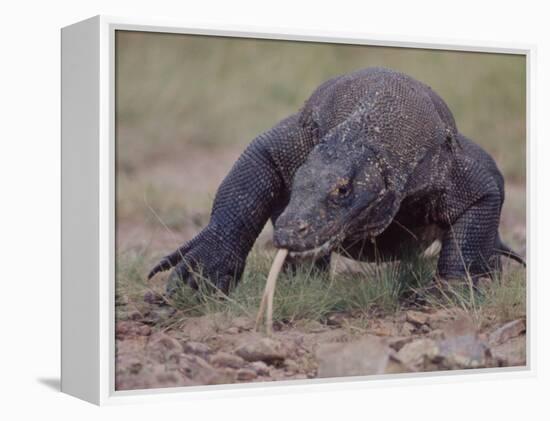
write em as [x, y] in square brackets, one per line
[88, 218]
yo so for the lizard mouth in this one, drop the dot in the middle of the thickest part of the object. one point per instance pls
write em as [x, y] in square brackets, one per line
[321, 250]
[318, 251]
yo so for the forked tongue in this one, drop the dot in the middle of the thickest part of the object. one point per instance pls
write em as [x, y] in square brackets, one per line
[267, 299]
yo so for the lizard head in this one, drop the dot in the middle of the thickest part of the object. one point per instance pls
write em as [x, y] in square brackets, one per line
[340, 191]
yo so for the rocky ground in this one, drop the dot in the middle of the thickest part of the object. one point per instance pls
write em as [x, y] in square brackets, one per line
[217, 349]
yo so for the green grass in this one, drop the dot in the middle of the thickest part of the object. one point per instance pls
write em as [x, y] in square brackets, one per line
[376, 291]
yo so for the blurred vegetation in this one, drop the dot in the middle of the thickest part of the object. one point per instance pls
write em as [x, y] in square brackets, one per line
[178, 90]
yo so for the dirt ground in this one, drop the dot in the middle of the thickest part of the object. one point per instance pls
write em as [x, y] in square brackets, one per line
[152, 351]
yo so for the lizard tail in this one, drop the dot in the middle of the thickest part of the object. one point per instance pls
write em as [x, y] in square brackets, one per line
[506, 251]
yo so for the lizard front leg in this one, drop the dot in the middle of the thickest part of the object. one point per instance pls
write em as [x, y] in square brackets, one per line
[243, 203]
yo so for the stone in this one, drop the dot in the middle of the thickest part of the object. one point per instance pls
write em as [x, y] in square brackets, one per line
[336, 319]
[414, 353]
[291, 365]
[383, 328]
[508, 331]
[397, 342]
[163, 341]
[144, 330]
[365, 357]
[225, 359]
[122, 329]
[511, 353]
[439, 317]
[462, 325]
[407, 329]
[396, 366]
[197, 348]
[135, 315]
[232, 330]
[465, 351]
[261, 368]
[416, 317]
[246, 374]
[265, 349]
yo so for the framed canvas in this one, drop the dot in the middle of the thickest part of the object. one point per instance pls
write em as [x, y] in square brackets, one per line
[383, 181]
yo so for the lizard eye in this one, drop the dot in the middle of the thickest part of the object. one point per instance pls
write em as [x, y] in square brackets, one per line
[343, 191]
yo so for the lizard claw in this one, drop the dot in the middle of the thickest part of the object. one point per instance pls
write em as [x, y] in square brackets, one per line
[202, 262]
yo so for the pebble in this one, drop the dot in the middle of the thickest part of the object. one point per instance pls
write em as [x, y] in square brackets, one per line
[197, 348]
[291, 365]
[508, 331]
[167, 342]
[261, 368]
[407, 329]
[246, 374]
[144, 330]
[417, 317]
[264, 349]
[225, 359]
[413, 353]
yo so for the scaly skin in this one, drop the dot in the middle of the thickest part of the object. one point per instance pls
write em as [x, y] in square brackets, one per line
[373, 163]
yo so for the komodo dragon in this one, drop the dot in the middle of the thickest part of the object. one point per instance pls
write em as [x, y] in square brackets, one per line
[371, 165]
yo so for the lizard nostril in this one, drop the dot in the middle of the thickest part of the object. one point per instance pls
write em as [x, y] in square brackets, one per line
[303, 227]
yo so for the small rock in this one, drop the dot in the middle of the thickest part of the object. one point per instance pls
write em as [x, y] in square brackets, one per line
[364, 357]
[383, 328]
[135, 315]
[425, 329]
[246, 374]
[162, 340]
[511, 353]
[436, 334]
[462, 325]
[291, 365]
[508, 331]
[144, 330]
[336, 319]
[466, 351]
[396, 366]
[440, 318]
[414, 353]
[261, 368]
[407, 329]
[197, 348]
[224, 359]
[416, 317]
[398, 342]
[264, 349]
[122, 329]
[135, 366]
